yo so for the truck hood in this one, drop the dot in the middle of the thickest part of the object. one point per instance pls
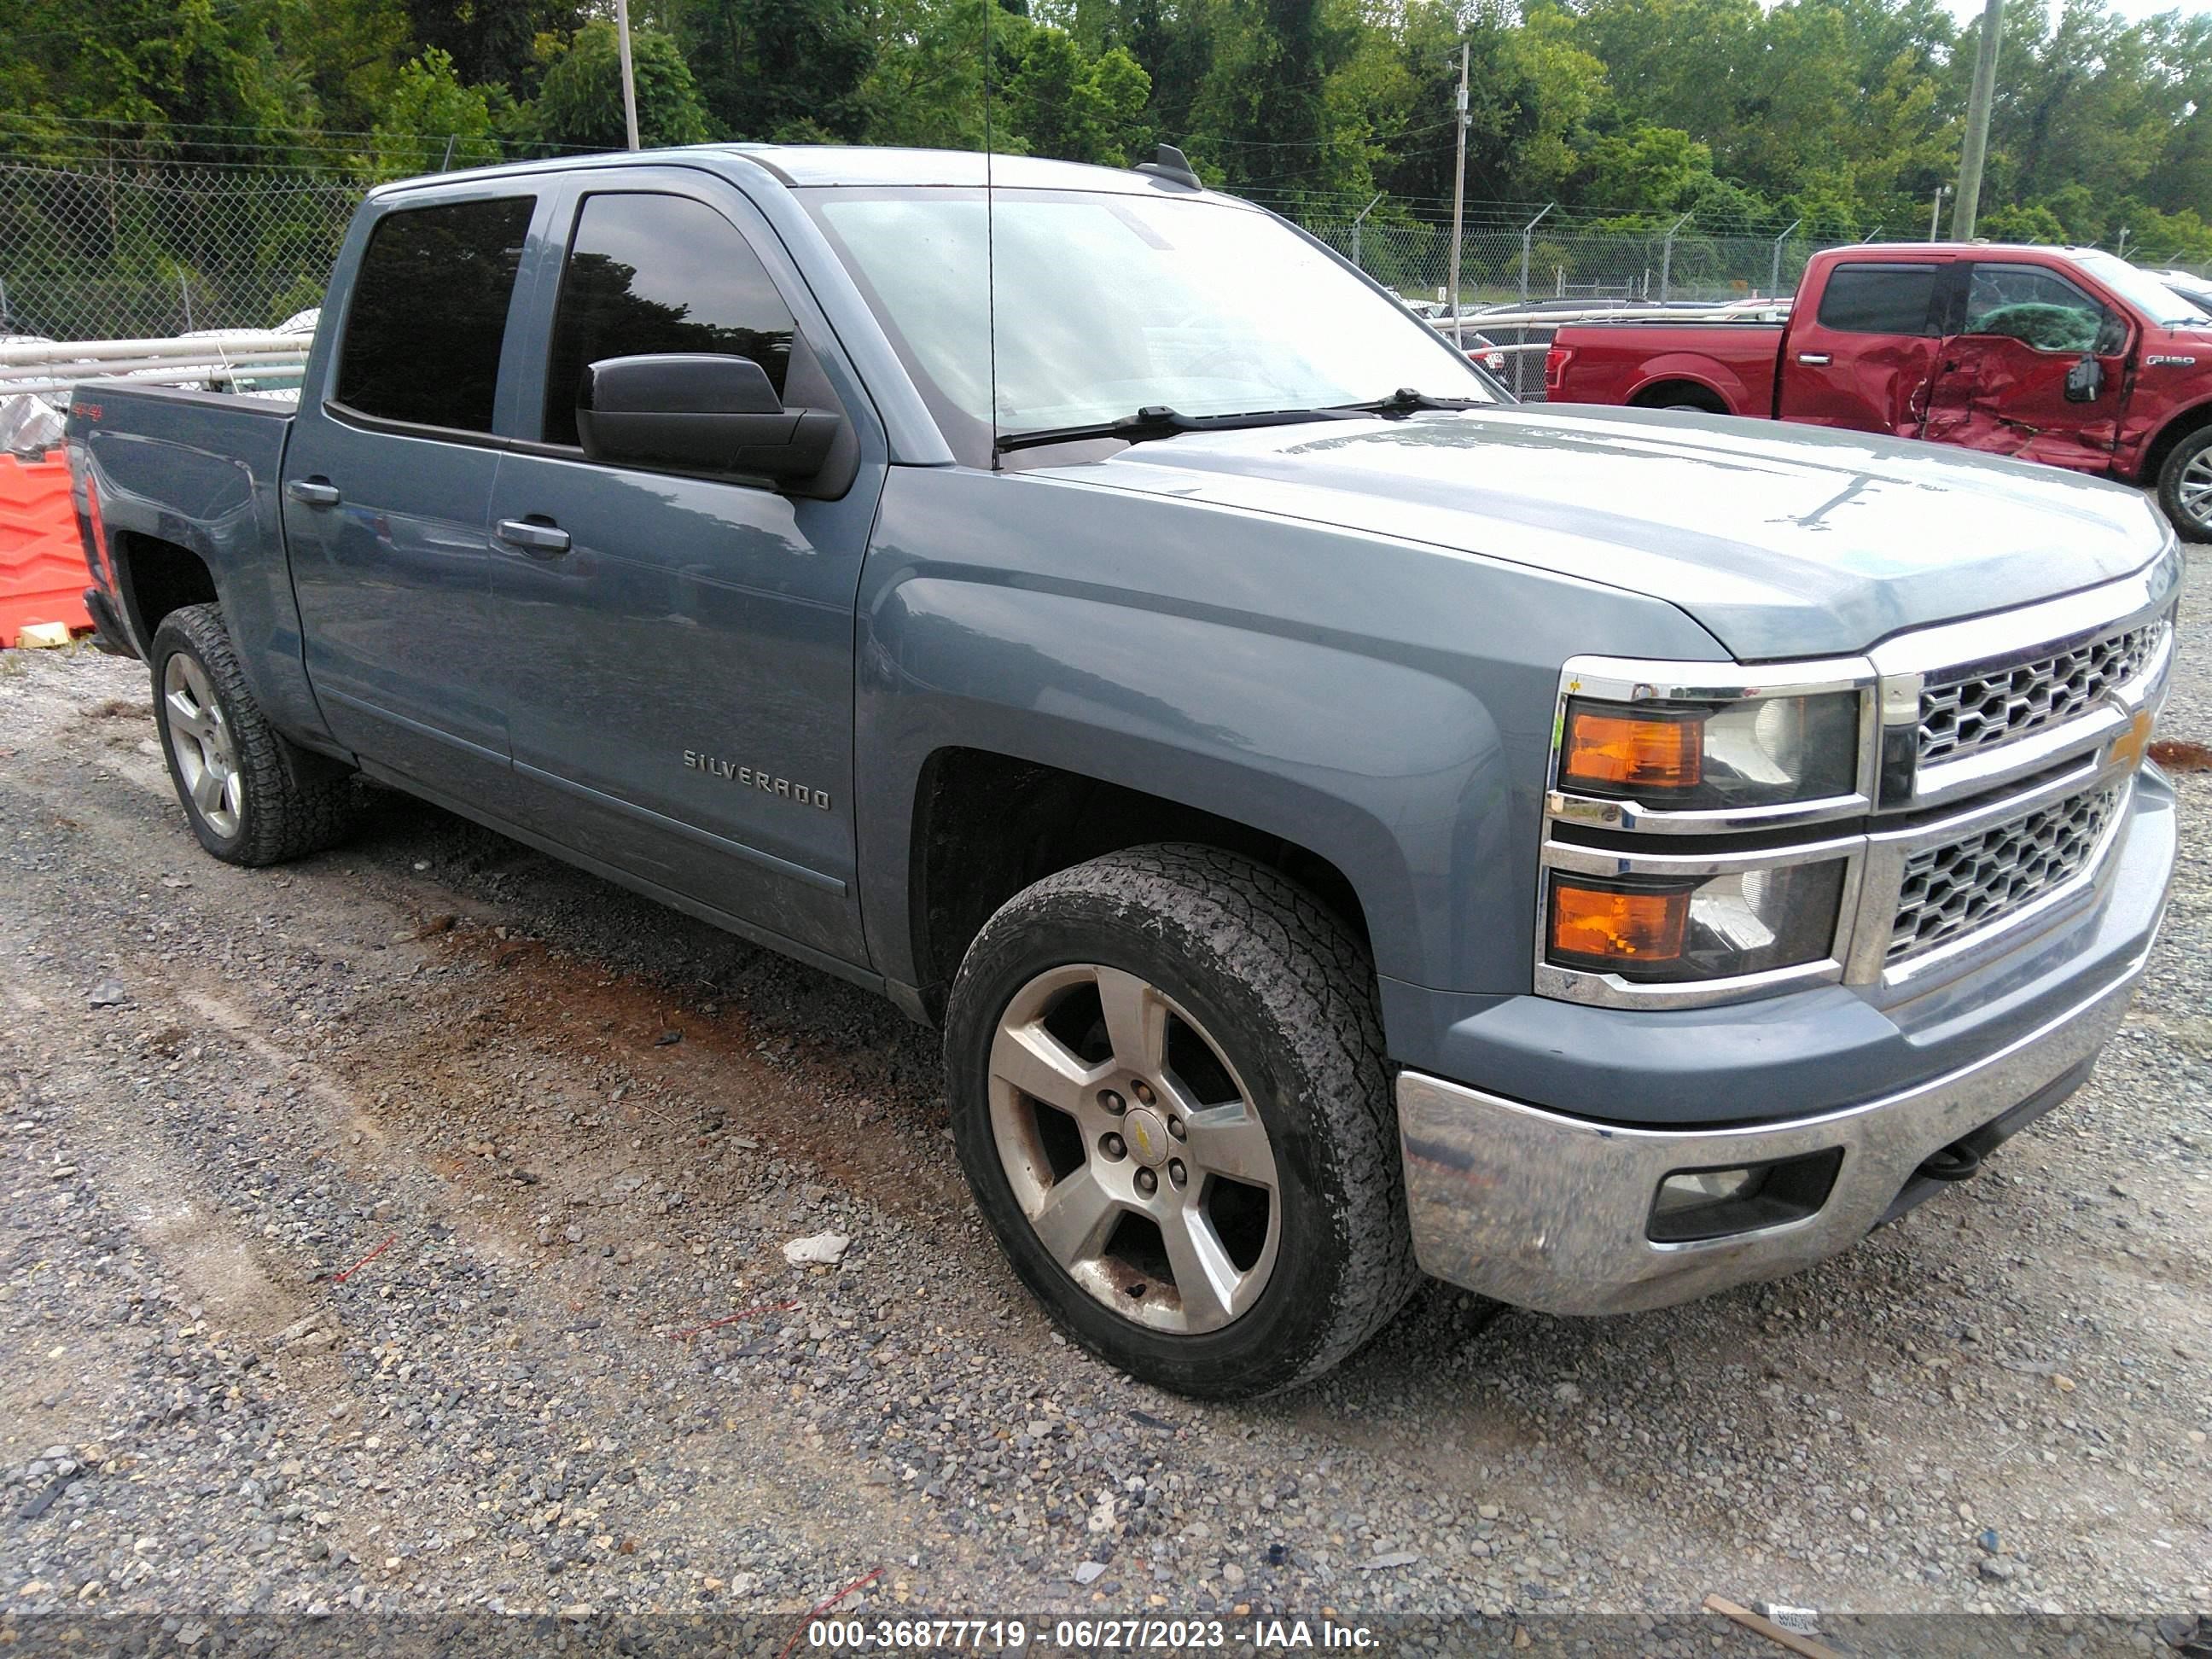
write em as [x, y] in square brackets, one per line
[1781, 542]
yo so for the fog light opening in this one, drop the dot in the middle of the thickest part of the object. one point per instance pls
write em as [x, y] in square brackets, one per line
[1717, 1202]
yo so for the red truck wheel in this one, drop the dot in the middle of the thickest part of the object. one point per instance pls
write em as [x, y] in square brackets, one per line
[2184, 485]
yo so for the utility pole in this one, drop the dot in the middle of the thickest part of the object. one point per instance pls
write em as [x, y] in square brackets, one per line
[630, 78]
[1935, 214]
[1459, 196]
[1977, 147]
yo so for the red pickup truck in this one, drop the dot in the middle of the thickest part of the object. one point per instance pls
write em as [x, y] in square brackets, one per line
[2067, 356]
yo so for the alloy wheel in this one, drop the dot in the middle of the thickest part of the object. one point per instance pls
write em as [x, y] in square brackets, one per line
[1133, 1149]
[207, 758]
[2195, 493]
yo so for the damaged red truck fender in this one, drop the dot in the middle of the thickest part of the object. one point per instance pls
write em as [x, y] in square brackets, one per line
[2065, 355]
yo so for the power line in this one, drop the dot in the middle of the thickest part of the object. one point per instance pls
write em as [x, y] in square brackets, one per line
[212, 13]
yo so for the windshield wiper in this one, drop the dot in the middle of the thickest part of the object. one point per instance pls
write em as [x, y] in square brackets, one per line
[1406, 401]
[1158, 421]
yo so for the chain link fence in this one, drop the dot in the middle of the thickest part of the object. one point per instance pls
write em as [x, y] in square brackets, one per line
[159, 251]
[1498, 264]
[134, 250]
[1569, 265]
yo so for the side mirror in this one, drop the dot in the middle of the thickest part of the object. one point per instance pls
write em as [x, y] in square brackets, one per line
[698, 412]
[2085, 380]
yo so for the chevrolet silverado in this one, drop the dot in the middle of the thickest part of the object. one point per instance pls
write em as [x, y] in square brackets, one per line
[1347, 825]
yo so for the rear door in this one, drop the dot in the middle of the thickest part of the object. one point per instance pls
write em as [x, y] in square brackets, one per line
[1865, 358]
[677, 666]
[388, 478]
[2001, 387]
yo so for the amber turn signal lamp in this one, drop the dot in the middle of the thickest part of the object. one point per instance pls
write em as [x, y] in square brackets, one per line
[1627, 752]
[1601, 923]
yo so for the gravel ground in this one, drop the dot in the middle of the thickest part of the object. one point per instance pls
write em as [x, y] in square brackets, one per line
[403, 1229]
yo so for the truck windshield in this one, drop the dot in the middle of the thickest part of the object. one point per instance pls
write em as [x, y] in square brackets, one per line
[1108, 304]
[2152, 298]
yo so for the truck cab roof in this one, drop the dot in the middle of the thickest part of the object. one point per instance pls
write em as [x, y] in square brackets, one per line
[814, 167]
[1962, 250]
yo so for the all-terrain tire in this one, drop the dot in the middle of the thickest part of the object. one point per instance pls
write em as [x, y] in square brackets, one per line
[1287, 991]
[287, 804]
[2188, 464]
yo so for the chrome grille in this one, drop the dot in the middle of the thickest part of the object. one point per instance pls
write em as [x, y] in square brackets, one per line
[1981, 710]
[1967, 884]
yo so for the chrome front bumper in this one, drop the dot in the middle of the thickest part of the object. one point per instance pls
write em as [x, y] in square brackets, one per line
[1551, 1212]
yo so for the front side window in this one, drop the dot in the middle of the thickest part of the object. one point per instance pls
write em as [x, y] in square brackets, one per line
[429, 312]
[650, 274]
[1108, 303]
[1878, 299]
[2038, 307]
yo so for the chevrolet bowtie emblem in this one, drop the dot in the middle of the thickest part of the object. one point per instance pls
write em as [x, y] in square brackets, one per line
[1143, 1137]
[2128, 748]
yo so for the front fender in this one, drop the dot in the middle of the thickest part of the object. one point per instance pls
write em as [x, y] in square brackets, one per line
[1386, 706]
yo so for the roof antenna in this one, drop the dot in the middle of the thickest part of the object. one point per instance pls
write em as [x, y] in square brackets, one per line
[990, 247]
[1169, 163]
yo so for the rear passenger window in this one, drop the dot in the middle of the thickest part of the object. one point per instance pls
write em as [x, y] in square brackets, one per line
[651, 274]
[429, 312]
[1878, 299]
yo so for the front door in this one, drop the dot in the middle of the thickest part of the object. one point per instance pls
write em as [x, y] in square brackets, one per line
[677, 654]
[388, 475]
[1863, 359]
[2001, 387]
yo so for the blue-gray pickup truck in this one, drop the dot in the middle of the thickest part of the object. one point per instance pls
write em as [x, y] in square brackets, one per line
[1347, 825]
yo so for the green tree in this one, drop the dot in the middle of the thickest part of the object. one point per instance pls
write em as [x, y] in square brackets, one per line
[581, 102]
[925, 85]
[494, 41]
[1647, 170]
[431, 121]
[1066, 104]
[2014, 223]
[1262, 113]
[779, 69]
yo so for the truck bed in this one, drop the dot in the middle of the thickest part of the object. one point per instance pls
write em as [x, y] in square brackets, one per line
[199, 472]
[1727, 368]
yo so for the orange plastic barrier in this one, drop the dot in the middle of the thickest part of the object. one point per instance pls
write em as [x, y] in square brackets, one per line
[42, 574]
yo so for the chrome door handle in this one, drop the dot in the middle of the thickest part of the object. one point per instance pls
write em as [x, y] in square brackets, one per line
[312, 492]
[544, 540]
[1814, 359]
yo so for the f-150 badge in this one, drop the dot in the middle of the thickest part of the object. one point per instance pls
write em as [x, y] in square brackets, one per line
[754, 777]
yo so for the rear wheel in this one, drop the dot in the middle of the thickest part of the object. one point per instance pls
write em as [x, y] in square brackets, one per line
[2184, 485]
[249, 800]
[1170, 1100]
[1680, 395]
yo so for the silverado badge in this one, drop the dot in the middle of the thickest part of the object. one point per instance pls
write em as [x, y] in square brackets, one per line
[756, 777]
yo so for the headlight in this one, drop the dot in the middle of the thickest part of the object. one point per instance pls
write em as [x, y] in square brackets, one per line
[1760, 751]
[1667, 932]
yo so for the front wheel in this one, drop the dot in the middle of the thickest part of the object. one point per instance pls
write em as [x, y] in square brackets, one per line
[2184, 485]
[1170, 1098]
